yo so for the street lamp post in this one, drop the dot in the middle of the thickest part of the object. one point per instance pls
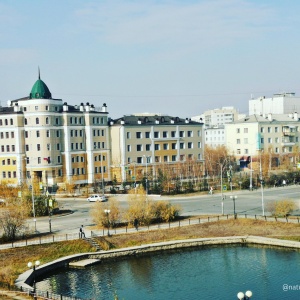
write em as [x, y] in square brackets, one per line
[233, 197]
[146, 157]
[262, 187]
[251, 187]
[107, 211]
[33, 266]
[222, 195]
[33, 207]
[245, 296]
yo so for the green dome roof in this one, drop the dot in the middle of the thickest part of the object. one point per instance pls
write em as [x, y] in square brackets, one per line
[40, 90]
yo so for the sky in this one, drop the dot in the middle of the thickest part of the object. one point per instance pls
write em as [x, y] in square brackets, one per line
[174, 57]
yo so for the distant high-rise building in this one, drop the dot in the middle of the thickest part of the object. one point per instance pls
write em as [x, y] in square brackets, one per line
[283, 103]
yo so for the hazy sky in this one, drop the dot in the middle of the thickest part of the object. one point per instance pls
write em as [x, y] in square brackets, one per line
[174, 57]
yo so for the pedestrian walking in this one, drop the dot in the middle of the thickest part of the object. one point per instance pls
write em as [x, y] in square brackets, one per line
[81, 232]
[136, 224]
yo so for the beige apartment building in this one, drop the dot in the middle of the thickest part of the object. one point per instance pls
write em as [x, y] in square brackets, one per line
[275, 134]
[51, 142]
[144, 143]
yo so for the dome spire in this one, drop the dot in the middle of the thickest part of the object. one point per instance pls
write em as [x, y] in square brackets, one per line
[39, 73]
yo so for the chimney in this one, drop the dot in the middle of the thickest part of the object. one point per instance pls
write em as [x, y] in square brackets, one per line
[104, 108]
[270, 117]
[16, 107]
[81, 107]
[65, 107]
[295, 116]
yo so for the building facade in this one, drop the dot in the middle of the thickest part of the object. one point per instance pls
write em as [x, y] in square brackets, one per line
[153, 142]
[283, 103]
[277, 135]
[51, 142]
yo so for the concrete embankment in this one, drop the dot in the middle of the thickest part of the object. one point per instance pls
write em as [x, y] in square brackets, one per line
[83, 259]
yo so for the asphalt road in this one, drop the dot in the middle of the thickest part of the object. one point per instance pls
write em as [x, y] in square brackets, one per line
[246, 202]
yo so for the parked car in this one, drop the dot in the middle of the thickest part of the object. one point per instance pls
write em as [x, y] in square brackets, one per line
[97, 198]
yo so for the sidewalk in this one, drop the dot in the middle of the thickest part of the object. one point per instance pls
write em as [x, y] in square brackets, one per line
[51, 238]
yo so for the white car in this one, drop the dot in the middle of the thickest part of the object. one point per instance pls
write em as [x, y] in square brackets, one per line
[97, 198]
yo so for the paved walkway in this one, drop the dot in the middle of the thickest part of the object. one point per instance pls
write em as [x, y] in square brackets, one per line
[186, 222]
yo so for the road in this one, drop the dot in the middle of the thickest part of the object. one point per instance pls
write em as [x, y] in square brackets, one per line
[247, 202]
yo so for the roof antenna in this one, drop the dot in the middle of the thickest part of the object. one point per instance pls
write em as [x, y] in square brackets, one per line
[39, 74]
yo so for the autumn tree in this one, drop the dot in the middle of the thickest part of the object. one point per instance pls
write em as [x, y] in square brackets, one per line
[104, 219]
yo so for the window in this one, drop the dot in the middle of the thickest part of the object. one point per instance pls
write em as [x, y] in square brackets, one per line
[37, 121]
[245, 130]
[165, 158]
[139, 160]
[57, 121]
[174, 146]
[148, 147]
[277, 140]
[181, 145]
[181, 133]
[190, 133]
[262, 129]
[47, 107]
[59, 159]
[173, 157]
[3, 162]
[11, 122]
[165, 134]
[166, 146]
[238, 130]
[58, 146]
[147, 135]
[182, 157]
[269, 129]
[269, 140]
[199, 133]
[39, 160]
[38, 147]
[7, 148]
[25, 121]
[36, 108]
[2, 135]
[199, 144]
[156, 134]
[190, 145]
[26, 134]
[139, 147]
[246, 151]
[138, 135]
[6, 122]
[1, 122]
[262, 140]
[3, 174]
[157, 158]
[173, 134]
[7, 135]
[276, 129]
[57, 133]
[276, 150]
[238, 151]
[38, 133]
[128, 135]
[238, 141]
[2, 148]
[156, 147]
[26, 147]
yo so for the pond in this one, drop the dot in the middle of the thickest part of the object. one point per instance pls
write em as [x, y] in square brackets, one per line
[200, 273]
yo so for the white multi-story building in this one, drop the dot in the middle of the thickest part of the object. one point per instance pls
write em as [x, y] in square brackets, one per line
[214, 121]
[52, 142]
[283, 103]
[275, 134]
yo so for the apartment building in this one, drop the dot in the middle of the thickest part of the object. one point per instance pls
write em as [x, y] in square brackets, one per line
[153, 141]
[214, 121]
[281, 103]
[46, 140]
[277, 134]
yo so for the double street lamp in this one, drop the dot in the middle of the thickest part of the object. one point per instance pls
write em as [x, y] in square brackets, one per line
[107, 212]
[33, 266]
[245, 296]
